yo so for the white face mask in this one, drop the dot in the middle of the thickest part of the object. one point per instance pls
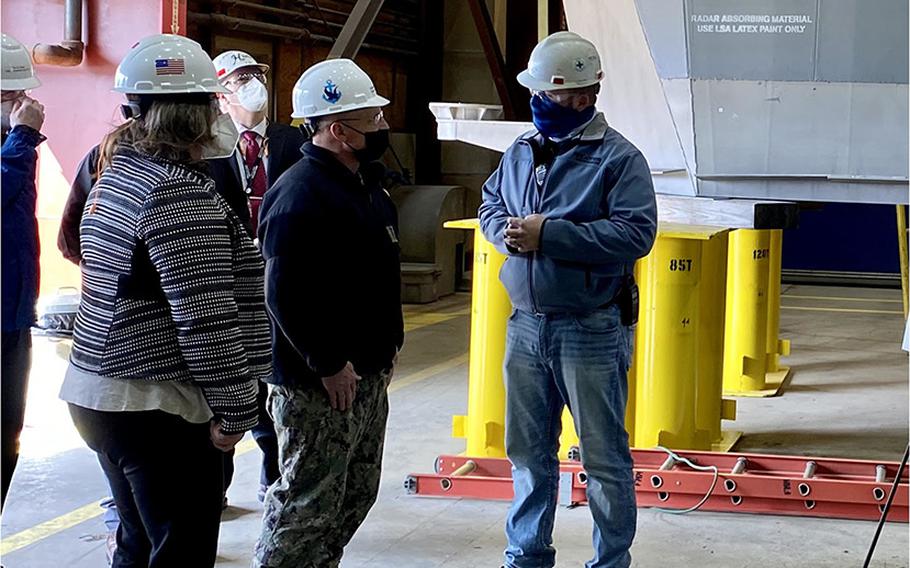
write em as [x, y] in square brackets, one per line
[226, 138]
[253, 96]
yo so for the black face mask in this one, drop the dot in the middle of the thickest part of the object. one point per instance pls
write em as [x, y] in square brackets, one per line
[376, 143]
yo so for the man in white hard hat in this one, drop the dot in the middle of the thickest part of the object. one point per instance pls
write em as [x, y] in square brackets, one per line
[265, 151]
[573, 207]
[21, 117]
[329, 235]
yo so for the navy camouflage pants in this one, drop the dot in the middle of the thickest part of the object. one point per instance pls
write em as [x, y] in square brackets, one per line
[330, 464]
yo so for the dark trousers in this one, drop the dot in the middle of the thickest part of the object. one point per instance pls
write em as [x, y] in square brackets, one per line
[165, 475]
[15, 361]
[266, 439]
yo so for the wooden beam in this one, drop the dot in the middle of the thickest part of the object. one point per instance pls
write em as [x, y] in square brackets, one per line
[355, 29]
[484, 24]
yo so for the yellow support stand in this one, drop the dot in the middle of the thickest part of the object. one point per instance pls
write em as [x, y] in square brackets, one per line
[746, 321]
[679, 342]
[484, 425]
[710, 406]
[902, 250]
[568, 440]
[775, 348]
[675, 379]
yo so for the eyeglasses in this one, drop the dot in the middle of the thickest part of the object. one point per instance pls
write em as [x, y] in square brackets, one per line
[555, 97]
[238, 80]
[377, 119]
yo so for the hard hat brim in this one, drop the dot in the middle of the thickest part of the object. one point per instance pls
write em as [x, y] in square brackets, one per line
[374, 102]
[525, 79]
[20, 84]
[213, 89]
[263, 68]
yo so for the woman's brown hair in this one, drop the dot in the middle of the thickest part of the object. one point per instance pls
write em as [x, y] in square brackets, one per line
[169, 127]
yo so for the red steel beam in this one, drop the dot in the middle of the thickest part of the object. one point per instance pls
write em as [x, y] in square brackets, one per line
[845, 489]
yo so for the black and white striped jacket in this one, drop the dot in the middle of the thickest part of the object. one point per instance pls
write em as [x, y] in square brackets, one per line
[172, 287]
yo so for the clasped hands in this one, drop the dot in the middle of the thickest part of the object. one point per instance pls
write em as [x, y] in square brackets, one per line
[523, 234]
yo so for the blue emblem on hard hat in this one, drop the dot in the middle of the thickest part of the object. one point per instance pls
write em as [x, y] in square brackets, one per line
[579, 64]
[330, 93]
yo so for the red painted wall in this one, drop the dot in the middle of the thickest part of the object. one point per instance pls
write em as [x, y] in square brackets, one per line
[79, 104]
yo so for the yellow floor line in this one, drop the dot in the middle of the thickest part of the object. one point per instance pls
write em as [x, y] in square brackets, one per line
[844, 299]
[841, 310]
[409, 380]
[455, 302]
[49, 528]
[87, 512]
[417, 321]
[66, 521]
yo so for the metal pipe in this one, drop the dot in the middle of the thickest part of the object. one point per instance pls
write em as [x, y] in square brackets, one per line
[881, 473]
[385, 12]
[809, 473]
[740, 466]
[239, 24]
[69, 52]
[265, 9]
[467, 467]
[277, 30]
[669, 463]
[804, 488]
[375, 31]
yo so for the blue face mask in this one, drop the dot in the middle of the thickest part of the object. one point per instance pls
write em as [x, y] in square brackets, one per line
[554, 120]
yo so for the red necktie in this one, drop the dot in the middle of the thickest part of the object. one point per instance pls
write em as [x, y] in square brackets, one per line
[257, 186]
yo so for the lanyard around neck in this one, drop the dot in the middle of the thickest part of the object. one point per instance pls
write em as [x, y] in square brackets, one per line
[250, 173]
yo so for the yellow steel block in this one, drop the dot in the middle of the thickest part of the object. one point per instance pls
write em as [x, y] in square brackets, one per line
[728, 409]
[667, 360]
[746, 321]
[710, 339]
[458, 426]
[773, 346]
[490, 309]
[569, 438]
[783, 347]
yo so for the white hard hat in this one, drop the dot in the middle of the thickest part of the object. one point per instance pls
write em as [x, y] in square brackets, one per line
[563, 60]
[166, 64]
[230, 61]
[18, 73]
[334, 86]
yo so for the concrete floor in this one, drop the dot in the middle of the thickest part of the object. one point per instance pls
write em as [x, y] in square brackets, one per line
[848, 398]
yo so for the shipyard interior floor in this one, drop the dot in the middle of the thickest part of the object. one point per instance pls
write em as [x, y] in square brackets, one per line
[848, 398]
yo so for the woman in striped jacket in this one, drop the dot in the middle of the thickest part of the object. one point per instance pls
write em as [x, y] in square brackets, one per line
[172, 336]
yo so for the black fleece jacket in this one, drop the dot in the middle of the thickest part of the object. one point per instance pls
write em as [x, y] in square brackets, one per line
[333, 278]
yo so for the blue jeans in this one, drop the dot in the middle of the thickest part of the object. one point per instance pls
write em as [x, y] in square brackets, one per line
[579, 360]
